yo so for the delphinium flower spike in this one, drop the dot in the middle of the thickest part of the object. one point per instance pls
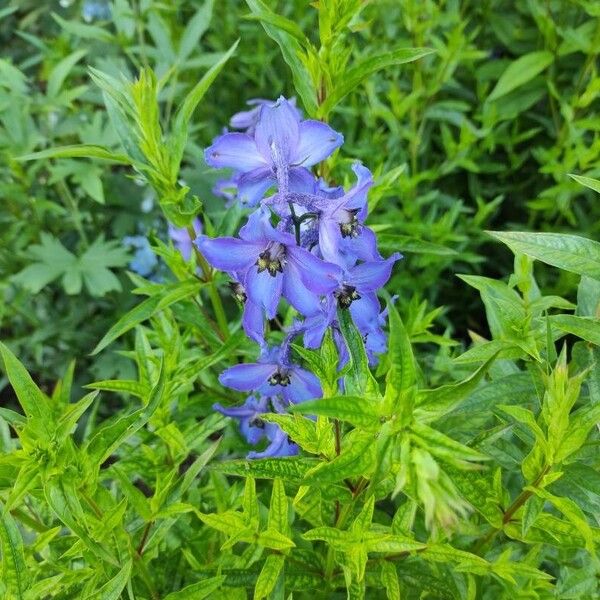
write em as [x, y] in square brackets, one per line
[306, 242]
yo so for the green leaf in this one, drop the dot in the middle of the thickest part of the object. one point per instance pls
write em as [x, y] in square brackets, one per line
[359, 380]
[64, 501]
[314, 437]
[290, 469]
[268, 576]
[194, 30]
[438, 402]
[587, 328]
[520, 71]
[198, 591]
[195, 95]
[292, 54]
[389, 580]
[278, 510]
[78, 151]
[146, 309]
[60, 72]
[274, 540]
[593, 184]
[112, 589]
[34, 402]
[281, 23]
[357, 458]
[107, 439]
[572, 512]
[229, 522]
[569, 252]
[357, 410]
[443, 447]
[85, 31]
[15, 574]
[355, 75]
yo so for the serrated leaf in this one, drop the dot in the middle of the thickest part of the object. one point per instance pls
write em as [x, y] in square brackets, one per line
[569, 252]
[389, 580]
[270, 538]
[229, 522]
[278, 510]
[64, 502]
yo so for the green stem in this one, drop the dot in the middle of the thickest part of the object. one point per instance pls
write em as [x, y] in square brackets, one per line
[213, 293]
[65, 193]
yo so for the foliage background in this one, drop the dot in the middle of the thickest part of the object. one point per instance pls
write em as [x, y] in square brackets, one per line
[459, 147]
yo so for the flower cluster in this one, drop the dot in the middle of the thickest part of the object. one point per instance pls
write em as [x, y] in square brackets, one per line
[305, 242]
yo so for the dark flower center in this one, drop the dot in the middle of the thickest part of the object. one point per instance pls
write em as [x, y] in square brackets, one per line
[238, 291]
[350, 228]
[346, 296]
[280, 377]
[257, 422]
[272, 260]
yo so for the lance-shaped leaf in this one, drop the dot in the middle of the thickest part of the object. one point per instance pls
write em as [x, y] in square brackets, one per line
[15, 574]
[569, 252]
[268, 576]
[292, 469]
[109, 438]
[315, 437]
[198, 591]
[433, 404]
[292, 53]
[356, 74]
[278, 510]
[401, 379]
[359, 380]
[587, 328]
[357, 410]
[357, 458]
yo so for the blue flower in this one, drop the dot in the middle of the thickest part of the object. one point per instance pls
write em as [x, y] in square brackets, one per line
[273, 374]
[95, 10]
[181, 238]
[144, 260]
[246, 120]
[279, 151]
[270, 264]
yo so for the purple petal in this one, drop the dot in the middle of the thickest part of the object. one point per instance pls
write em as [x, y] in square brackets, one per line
[303, 386]
[253, 185]
[279, 446]
[236, 151]
[317, 275]
[264, 290]
[256, 225]
[296, 293]
[365, 312]
[317, 142]
[253, 322]
[330, 238]
[229, 254]
[301, 181]
[247, 377]
[277, 130]
[370, 276]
